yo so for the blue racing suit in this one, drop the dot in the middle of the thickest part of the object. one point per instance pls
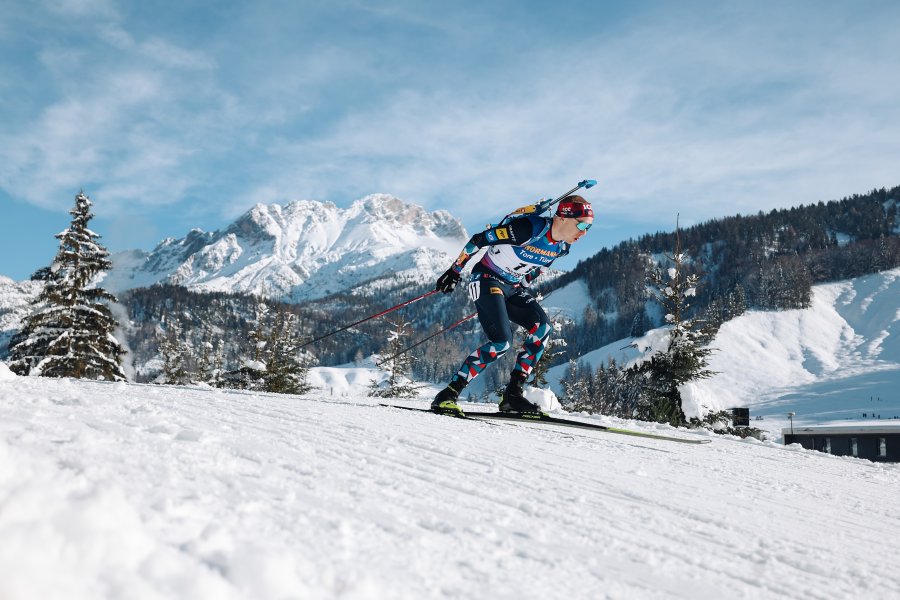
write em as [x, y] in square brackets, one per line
[517, 252]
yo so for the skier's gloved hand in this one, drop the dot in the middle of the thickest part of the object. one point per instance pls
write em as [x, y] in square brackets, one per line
[447, 282]
[531, 276]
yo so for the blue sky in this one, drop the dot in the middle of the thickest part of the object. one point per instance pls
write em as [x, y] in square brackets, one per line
[174, 115]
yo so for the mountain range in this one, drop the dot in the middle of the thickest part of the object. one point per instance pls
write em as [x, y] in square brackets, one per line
[381, 250]
[300, 251]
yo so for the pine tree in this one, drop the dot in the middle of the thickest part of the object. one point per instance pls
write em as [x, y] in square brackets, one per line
[737, 302]
[567, 382]
[286, 366]
[399, 366]
[639, 324]
[685, 357]
[218, 365]
[71, 332]
[278, 365]
[576, 384]
[251, 373]
[258, 335]
[173, 353]
[203, 364]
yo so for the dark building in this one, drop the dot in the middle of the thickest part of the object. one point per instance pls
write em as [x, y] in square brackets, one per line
[740, 417]
[879, 443]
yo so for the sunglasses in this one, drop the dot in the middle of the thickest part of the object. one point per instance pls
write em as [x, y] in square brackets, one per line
[583, 225]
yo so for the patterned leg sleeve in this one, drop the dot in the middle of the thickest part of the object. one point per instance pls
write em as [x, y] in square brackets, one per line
[533, 348]
[481, 358]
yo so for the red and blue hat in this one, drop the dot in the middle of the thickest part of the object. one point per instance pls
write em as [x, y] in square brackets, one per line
[574, 210]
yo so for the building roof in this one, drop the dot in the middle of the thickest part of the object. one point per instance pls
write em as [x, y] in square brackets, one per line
[886, 426]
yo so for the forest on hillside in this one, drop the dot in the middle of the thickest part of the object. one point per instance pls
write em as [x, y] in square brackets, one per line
[766, 261]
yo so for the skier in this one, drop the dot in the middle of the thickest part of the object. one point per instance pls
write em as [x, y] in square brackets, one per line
[518, 252]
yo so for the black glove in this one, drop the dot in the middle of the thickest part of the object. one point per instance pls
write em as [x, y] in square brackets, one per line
[447, 282]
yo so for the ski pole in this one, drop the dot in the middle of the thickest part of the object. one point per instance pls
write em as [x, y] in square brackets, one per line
[384, 312]
[434, 335]
[420, 342]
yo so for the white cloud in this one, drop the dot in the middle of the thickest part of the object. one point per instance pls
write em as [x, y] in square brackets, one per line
[720, 120]
[83, 8]
[156, 49]
[747, 107]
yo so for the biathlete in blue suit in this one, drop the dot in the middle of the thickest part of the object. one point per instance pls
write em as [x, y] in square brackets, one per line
[518, 252]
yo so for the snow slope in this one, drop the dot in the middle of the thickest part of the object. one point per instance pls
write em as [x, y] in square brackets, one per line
[568, 301]
[15, 305]
[829, 363]
[114, 490]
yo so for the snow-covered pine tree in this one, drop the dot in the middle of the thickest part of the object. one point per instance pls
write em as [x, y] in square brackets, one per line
[218, 365]
[173, 352]
[609, 397]
[399, 368]
[685, 357]
[639, 325]
[278, 365]
[287, 366]
[208, 368]
[567, 383]
[626, 390]
[71, 331]
[250, 375]
[737, 302]
[576, 384]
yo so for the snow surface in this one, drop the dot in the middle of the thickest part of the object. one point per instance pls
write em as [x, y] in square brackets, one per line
[568, 301]
[15, 306]
[5, 373]
[114, 490]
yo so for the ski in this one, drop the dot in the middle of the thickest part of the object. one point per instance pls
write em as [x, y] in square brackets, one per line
[545, 418]
[428, 410]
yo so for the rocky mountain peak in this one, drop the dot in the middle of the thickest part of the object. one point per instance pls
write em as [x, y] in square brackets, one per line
[300, 250]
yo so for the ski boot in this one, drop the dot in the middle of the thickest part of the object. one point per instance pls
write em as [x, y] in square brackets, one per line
[514, 400]
[445, 401]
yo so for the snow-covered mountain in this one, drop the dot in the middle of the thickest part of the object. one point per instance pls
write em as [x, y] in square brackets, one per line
[303, 250]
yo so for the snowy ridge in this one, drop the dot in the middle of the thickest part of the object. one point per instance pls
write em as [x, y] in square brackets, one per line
[152, 492]
[302, 250]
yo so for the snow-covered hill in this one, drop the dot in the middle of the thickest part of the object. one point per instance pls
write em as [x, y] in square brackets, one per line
[303, 250]
[15, 305]
[832, 362]
[129, 491]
